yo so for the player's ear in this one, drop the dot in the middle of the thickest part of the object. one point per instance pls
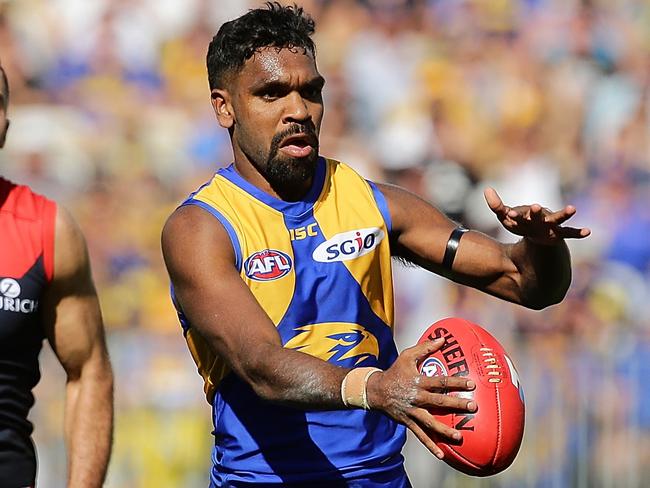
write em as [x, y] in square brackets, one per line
[223, 108]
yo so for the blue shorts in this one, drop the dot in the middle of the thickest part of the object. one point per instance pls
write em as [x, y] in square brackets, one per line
[395, 478]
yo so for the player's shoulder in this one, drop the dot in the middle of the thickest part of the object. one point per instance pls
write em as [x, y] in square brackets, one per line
[71, 253]
[201, 219]
[182, 219]
[66, 224]
[337, 165]
[338, 169]
[190, 223]
[192, 235]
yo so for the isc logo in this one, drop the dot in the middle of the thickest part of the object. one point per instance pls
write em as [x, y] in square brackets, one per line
[267, 265]
[301, 233]
[348, 245]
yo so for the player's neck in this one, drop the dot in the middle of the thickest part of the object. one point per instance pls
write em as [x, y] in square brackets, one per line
[291, 193]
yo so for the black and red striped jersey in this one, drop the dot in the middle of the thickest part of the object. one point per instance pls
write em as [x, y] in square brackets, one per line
[26, 267]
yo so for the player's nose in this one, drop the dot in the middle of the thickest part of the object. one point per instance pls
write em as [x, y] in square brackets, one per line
[296, 109]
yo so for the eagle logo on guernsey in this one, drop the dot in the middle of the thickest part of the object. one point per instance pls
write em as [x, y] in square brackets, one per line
[267, 265]
[336, 342]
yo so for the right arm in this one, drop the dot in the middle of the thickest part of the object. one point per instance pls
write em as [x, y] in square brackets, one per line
[73, 324]
[219, 305]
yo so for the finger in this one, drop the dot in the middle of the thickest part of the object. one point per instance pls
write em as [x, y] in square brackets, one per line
[516, 216]
[421, 351]
[520, 213]
[430, 425]
[495, 203]
[561, 216]
[424, 439]
[444, 403]
[511, 224]
[526, 213]
[572, 232]
[446, 383]
[537, 213]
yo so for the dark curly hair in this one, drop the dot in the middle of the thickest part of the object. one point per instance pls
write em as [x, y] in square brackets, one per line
[273, 25]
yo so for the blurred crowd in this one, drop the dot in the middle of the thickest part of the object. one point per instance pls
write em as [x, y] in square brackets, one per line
[545, 100]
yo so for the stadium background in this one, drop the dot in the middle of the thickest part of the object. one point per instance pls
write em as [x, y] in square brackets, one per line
[547, 100]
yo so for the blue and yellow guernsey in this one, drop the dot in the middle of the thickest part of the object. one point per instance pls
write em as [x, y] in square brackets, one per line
[321, 269]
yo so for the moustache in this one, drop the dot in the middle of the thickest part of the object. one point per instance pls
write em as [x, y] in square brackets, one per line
[308, 129]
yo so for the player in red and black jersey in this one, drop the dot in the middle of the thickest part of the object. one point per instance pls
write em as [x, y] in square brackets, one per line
[46, 292]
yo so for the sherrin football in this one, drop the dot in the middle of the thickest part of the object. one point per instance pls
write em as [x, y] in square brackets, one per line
[491, 435]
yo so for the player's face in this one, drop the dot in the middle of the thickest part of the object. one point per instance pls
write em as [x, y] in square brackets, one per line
[277, 112]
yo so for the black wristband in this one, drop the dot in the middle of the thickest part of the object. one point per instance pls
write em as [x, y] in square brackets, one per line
[452, 246]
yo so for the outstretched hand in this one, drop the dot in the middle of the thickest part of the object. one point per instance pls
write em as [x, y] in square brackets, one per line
[538, 224]
[409, 397]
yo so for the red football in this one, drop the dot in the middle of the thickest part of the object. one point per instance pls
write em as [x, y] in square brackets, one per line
[491, 435]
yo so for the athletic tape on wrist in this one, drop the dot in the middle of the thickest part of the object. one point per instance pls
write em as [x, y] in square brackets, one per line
[354, 387]
[452, 246]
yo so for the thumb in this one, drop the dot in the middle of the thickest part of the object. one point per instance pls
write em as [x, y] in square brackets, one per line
[494, 200]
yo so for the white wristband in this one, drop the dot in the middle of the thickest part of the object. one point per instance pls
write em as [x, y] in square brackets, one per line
[354, 387]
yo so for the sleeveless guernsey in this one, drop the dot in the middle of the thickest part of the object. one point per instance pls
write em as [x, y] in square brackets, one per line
[26, 267]
[321, 269]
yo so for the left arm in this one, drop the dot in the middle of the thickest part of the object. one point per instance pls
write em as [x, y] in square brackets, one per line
[535, 272]
[74, 329]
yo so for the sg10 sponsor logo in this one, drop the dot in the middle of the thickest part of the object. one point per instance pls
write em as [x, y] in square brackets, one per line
[349, 245]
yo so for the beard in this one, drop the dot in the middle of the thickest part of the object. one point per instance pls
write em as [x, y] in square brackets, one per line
[288, 175]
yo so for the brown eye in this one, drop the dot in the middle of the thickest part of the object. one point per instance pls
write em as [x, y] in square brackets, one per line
[313, 93]
[270, 94]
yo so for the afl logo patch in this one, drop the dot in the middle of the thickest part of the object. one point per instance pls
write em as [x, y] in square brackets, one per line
[433, 367]
[267, 265]
[9, 288]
